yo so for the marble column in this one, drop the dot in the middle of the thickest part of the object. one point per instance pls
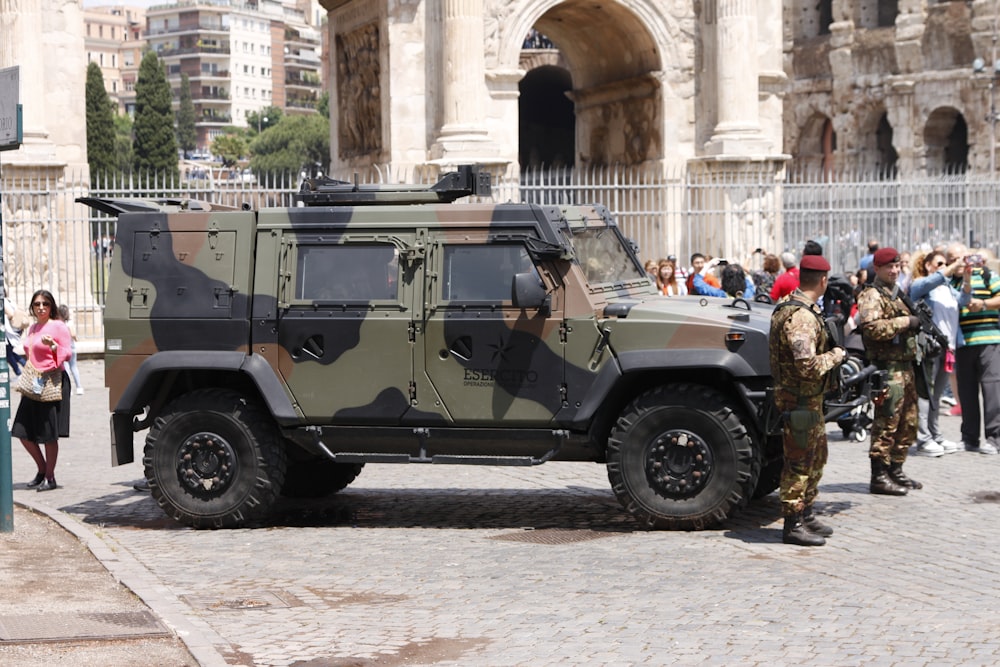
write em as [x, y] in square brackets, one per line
[21, 45]
[463, 133]
[737, 130]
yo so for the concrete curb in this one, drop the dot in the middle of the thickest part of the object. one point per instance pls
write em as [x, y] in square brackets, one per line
[199, 638]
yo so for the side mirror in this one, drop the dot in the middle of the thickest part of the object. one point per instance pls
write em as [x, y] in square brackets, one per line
[527, 291]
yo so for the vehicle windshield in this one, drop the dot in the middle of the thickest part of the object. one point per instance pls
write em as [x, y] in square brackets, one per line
[604, 256]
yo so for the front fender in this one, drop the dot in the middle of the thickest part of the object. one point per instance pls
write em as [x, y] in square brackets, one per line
[152, 379]
[694, 359]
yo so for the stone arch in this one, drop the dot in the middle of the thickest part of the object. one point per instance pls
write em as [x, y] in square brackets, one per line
[876, 148]
[946, 141]
[613, 54]
[816, 144]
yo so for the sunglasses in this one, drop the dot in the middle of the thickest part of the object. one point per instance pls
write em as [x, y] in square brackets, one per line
[42, 304]
[939, 264]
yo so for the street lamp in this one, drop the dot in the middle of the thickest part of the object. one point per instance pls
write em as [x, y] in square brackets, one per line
[259, 114]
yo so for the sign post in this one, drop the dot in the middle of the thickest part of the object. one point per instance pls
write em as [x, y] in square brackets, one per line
[11, 134]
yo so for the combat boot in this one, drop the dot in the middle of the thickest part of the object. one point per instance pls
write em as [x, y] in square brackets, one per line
[882, 484]
[814, 525]
[897, 475]
[795, 532]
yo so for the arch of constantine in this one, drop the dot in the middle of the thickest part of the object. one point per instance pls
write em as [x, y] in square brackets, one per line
[647, 83]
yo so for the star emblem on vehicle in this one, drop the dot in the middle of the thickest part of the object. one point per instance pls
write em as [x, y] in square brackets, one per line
[500, 350]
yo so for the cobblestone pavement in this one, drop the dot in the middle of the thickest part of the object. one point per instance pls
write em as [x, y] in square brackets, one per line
[456, 565]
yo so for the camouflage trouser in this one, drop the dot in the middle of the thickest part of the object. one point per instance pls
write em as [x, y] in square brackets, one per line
[895, 425]
[805, 454]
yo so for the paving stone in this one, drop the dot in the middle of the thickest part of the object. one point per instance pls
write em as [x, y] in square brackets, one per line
[416, 573]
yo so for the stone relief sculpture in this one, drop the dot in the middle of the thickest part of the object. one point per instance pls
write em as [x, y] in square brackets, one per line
[496, 15]
[359, 92]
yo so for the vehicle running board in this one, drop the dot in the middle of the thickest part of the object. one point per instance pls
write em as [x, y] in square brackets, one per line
[349, 457]
[422, 435]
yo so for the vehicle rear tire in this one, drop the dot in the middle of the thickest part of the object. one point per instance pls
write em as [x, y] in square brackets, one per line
[679, 458]
[318, 478]
[214, 459]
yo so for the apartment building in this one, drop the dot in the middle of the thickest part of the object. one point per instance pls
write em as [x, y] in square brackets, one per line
[238, 57]
[113, 38]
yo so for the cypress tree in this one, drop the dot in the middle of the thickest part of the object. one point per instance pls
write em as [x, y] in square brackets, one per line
[154, 145]
[187, 135]
[100, 127]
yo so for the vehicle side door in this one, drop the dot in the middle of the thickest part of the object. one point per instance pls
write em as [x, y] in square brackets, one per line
[345, 326]
[485, 360]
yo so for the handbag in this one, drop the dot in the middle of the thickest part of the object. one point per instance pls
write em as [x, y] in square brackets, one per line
[45, 387]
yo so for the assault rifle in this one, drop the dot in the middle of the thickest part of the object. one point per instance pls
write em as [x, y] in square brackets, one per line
[931, 341]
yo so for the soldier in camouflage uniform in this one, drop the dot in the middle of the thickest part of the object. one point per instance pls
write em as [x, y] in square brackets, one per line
[801, 362]
[889, 331]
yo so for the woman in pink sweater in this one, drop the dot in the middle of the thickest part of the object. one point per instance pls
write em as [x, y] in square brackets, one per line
[47, 344]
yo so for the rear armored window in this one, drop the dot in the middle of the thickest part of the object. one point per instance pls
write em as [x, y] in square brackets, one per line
[346, 273]
[482, 272]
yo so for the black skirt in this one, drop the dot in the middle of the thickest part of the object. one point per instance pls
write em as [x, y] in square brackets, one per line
[41, 422]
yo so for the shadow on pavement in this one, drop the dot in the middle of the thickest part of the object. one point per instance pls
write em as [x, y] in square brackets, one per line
[457, 508]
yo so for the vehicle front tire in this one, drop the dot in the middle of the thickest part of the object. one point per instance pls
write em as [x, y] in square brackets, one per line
[214, 459]
[679, 458]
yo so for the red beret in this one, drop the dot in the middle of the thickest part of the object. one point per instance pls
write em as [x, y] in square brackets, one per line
[814, 263]
[885, 256]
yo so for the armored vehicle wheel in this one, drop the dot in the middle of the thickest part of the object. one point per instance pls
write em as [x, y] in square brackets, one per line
[317, 478]
[214, 460]
[680, 459]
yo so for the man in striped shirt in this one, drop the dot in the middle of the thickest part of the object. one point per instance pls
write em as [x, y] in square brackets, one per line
[978, 354]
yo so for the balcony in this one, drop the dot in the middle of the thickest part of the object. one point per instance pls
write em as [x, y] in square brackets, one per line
[304, 81]
[213, 118]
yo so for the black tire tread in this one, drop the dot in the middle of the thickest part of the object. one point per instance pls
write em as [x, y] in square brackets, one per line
[706, 400]
[271, 462]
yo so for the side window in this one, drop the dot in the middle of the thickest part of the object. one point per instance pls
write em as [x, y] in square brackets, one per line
[478, 273]
[341, 273]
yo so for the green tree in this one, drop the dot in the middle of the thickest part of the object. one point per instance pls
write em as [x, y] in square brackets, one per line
[294, 143]
[123, 143]
[154, 145]
[100, 126]
[230, 147]
[323, 105]
[187, 135]
[268, 117]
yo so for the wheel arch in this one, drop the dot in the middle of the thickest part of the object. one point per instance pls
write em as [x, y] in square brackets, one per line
[166, 375]
[636, 380]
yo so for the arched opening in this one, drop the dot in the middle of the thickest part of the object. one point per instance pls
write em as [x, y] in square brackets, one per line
[885, 153]
[817, 145]
[946, 137]
[547, 119]
[615, 93]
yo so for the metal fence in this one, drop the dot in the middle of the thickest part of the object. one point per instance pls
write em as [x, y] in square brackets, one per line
[53, 242]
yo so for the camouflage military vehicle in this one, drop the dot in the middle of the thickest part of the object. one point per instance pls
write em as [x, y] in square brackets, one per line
[277, 351]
